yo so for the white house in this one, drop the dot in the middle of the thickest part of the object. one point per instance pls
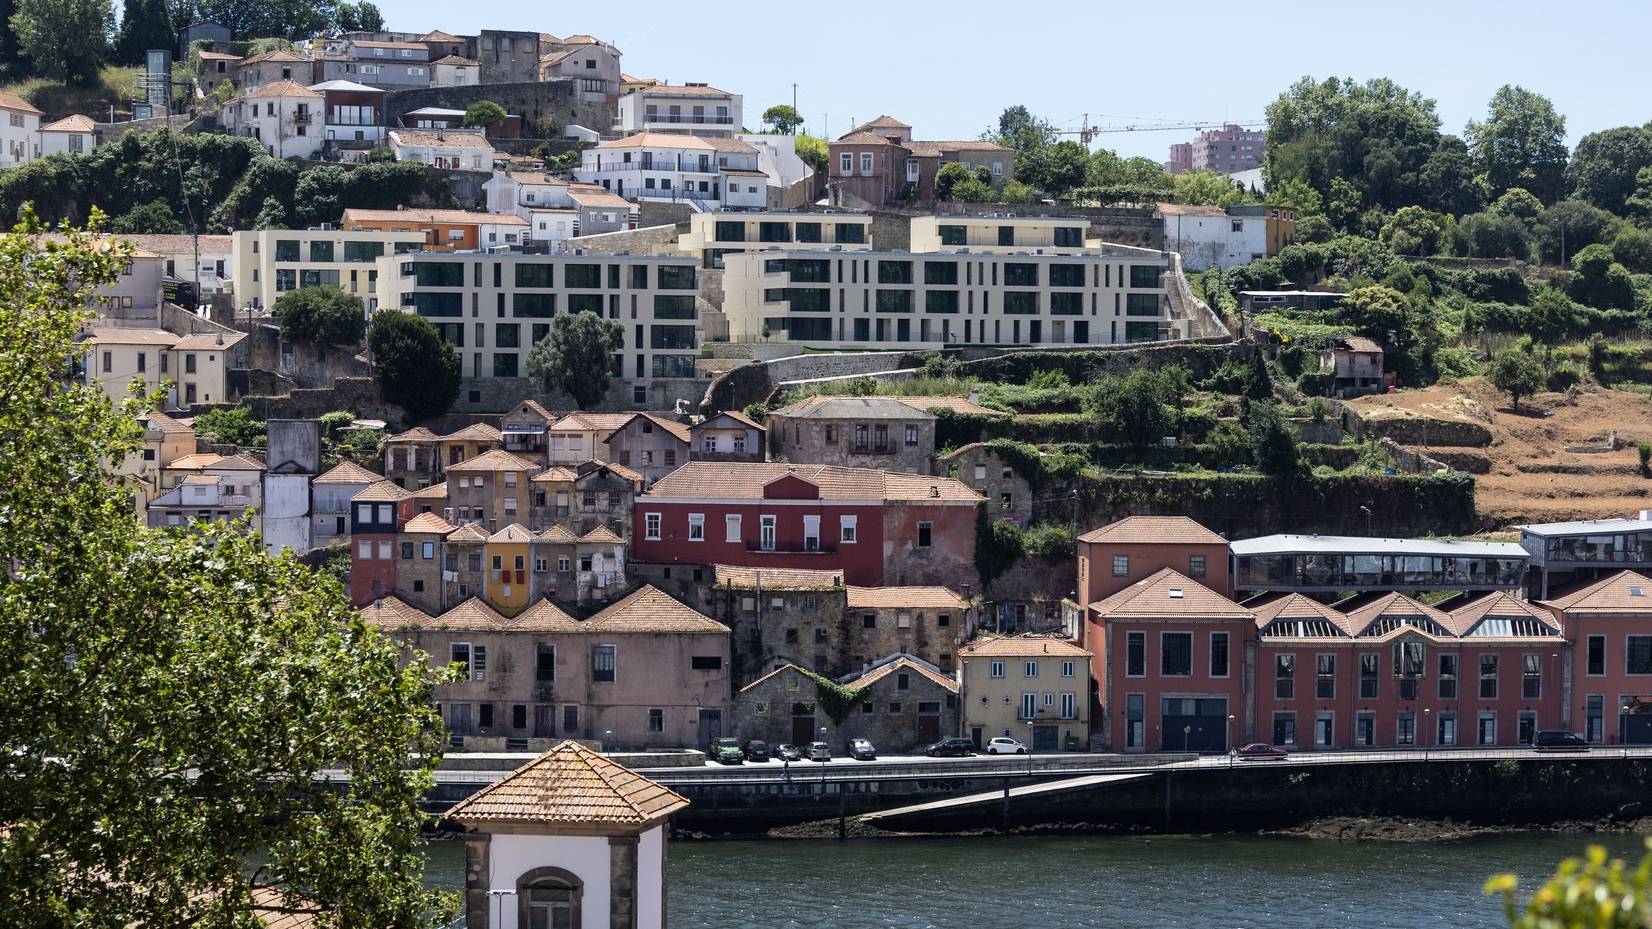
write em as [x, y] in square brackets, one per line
[449, 149]
[215, 268]
[21, 131]
[454, 71]
[706, 172]
[689, 109]
[593, 65]
[282, 115]
[433, 117]
[556, 209]
[571, 839]
[1210, 237]
[72, 135]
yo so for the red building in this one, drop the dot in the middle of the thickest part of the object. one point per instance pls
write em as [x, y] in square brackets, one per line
[879, 528]
[376, 513]
[1609, 625]
[1119, 554]
[880, 163]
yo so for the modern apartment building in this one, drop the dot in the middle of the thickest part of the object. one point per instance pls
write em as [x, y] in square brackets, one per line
[1000, 234]
[832, 298]
[664, 166]
[1224, 151]
[269, 262]
[689, 109]
[495, 307]
[710, 236]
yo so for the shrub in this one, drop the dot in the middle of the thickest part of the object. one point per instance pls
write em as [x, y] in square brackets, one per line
[230, 426]
[1645, 450]
[1049, 541]
[324, 315]
[416, 368]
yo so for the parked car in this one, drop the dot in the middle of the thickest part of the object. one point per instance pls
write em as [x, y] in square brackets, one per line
[1004, 745]
[788, 753]
[956, 748]
[820, 751]
[727, 751]
[757, 750]
[1261, 750]
[1556, 740]
[862, 750]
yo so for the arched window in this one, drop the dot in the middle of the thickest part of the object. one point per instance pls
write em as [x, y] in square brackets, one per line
[548, 898]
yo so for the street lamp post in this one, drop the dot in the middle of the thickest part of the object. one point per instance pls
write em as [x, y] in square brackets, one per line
[823, 761]
[1187, 732]
[1230, 732]
[1426, 716]
[607, 736]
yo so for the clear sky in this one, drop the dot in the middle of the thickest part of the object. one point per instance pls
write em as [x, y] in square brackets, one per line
[949, 70]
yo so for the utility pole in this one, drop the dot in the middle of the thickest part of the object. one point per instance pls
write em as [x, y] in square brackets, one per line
[794, 95]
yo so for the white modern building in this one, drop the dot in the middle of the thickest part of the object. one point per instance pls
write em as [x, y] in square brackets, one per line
[777, 157]
[711, 236]
[269, 262]
[285, 117]
[906, 300]
[21, 131]
[1002, 233]
[72, 135]
[448, 149]
[352, 112]
[706, 172]
[688, 109]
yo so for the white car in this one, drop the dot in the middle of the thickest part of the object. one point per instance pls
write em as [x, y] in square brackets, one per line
[1004, 745]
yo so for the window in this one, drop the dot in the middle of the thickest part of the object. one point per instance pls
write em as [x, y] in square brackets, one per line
[869, 620]
[544, 661]
[1368, 676]
[1488, 677]
[1030, 668]
[1135, 654]
[911, 435]
[1029, 706]
[925, 531]
[706, 662]
[603, 660]
[996, 669]
[651, 526]
[1218, 654]
[1121, 565]
[1405, 729]
[1637, 654]
[731, 527]
[549, 898]
[1195, 566]
[1176, 654]
[1448, 677]
[1597, 656]
[1067, 669]
[1284, 676]
[1531, 677]
[1325, 677]
[656, 720]
[953, 235]
[696, 527]
[866, 162]
[846, 163]
[846, 529]
[766, 533]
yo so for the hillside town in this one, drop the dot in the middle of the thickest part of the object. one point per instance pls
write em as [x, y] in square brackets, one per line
[643, 439]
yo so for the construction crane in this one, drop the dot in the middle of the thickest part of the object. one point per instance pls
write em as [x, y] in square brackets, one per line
[1087, 131]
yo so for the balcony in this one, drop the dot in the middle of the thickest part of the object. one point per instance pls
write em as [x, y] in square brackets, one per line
[793, 547]
[301, 119]
[684, 119]
[874, 448]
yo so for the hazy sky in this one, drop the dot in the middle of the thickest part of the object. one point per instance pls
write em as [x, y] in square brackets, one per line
[949, 70]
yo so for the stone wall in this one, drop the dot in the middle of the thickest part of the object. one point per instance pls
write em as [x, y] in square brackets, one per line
[888, 716]
[498, 394]
[1121, 225]
[753, 383]
[531, 100]
[646, 240]
[359, 395]
[310, 366]
[662, 213]
[1016, 366]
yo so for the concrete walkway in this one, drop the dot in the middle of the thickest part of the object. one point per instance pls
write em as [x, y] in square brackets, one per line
[997, 796]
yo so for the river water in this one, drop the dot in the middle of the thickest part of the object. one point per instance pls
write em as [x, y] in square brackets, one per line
[1162, 882]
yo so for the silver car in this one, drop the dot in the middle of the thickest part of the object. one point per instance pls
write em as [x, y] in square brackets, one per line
[820, 751]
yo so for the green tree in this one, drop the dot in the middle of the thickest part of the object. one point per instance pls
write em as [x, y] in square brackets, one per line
[1521, 143]
[1591, 892]
[416, 368]
[813, 150]
[362, 16]
[1374, 137]
[484, 114]
[1639, 204]
[324, 315]
[173, 698]
[1378, 311]
[1518, 373]
[575, 356]
[1605, 164]
[1258, 382]
[1066, 165]
[782, 118]
[1272, 443]
[1205, 188]
[1491, 235]
[1017, 192]
[286, 19]
[1600, 281]
[948, 177]
[11, 59]
[1632, 248]
[1551, 316]
[234, 425]
[1415, 231]
[145, 24]
[1521, 204]
[1569, 227]
[1448, 180]
[1140, 406]
[1298, 195]
[152, 218]
[65, 39]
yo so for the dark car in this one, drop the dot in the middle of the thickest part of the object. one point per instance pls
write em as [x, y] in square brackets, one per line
[957, 748]
[1555, 740]
[727, 751]
[788, 753]
[1261, 750]
[757, 750]
[862, 750]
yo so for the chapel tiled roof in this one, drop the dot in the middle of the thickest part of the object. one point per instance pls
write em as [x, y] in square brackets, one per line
[416, 434]
[493, 460]
[1176, 530]
[380, 492]
[570, 785]
[515, 532]
[475, 432]
[601, 535]
[904, 663]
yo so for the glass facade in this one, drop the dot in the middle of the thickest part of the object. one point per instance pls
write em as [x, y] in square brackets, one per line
[1350, 572]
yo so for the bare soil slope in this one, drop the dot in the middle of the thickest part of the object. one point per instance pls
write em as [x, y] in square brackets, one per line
[1540, 466]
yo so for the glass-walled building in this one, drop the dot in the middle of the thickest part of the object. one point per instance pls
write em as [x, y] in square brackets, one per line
[1563, 554]
[1330, 564]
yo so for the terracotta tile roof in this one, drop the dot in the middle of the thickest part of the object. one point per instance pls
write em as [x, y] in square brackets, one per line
[545, 616]
[217, 56]
[381, 492]
[469, 532]
[1021, 646]
[617, 469]
[472, 615]
[428, 215]
[598, 199]
[651, 609]
[275, 54]
[601, 535]
[515, 532]
[475, 432]
[925, 598]
[677, 429]
[394, 613]
[75, 123]
[1495, 606]
[444, 138]
[239, 462]
[570, 785]
[1357, 343]
[416, 434]
[883, 121]
[684, 90]
[970, 145]
[201, 479]
[835, 407]
[493, 460]
[281, 89]
[1169, 594]
[556, 474]
[428, 523]
[904, 663]
[557, 535]
[371, 43]
[121, 335]
[738, 480]
[207, 341]
[348, 472]
[160, 244]
[1292, 606]
[741, 577]
[456, 61]
[534, 407]
[194, 462]
[165, 423]
[433, 492]
[656, 139]
[591, 422]
[951, 404]
[437, 35]
[1365, 609]
[1626, 592]
[14, 102]
[735, 415]
[1175, 530]
[862, 138]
